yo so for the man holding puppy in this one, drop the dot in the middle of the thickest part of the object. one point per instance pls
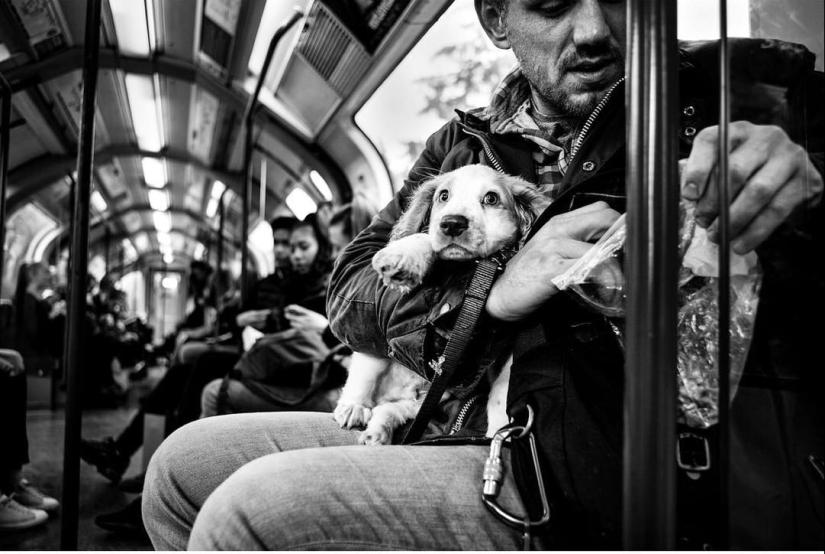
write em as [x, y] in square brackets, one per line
[257, 481]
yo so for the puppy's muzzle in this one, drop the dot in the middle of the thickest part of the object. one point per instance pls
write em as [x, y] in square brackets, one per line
[454, 225]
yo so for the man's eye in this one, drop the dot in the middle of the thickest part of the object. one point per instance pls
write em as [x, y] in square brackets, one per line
[443, 196]
[554, 9]
[491, 199]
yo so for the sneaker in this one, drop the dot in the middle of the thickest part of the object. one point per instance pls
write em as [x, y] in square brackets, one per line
[128, 521]
[133, 484]
[13, 516]
[28, 496]
[103, 454]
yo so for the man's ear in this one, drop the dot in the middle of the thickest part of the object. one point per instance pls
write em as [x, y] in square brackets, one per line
[492, 21]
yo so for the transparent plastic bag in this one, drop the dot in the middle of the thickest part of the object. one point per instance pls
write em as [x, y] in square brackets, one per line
[597, 280]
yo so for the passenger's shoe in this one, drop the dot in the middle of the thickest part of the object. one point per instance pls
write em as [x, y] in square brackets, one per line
[103, 454]
[14, 516]
[133, 484]
[128, 521]
[27, 495]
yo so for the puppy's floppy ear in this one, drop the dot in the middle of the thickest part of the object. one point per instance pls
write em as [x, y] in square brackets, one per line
[529, 203]
[417, 215]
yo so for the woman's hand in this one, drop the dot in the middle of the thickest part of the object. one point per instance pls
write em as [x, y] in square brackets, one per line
[305, 320]
[770, 177]
[526, 283]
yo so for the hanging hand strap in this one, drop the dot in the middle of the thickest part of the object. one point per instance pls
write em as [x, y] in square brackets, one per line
[474, 299]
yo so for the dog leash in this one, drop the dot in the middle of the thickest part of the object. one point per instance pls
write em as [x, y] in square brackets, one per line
[474, 299]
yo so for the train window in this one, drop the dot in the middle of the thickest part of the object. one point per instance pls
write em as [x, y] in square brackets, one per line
[260, 247]
[28, 231]
[454, 66]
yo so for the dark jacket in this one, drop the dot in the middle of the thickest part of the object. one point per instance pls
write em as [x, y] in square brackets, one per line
[567, 360]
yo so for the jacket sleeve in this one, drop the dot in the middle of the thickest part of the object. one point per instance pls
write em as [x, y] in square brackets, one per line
[359, 306]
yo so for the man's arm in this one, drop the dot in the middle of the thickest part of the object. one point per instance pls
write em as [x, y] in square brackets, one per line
[358, 303]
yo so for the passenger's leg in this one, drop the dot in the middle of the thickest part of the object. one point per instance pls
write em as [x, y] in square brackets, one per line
[357, 498]
[197, 458]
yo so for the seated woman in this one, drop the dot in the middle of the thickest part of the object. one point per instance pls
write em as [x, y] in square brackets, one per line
[278, 372]
[21, 505]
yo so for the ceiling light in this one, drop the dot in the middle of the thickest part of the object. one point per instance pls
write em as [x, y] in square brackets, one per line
[168, 258]
[200, 249]
[300, 203]
[141, 241]
[98, 203]
[159, 199]
[164, 239]
[170, 282]
[320, 184]
[130, 27]
[153, 172]
[212, 207]
[163, 221]
[217, 189]
[144, 108]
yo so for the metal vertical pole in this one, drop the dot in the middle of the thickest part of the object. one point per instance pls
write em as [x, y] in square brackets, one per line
[77, 298]
[247, 121]
[724, 276]
[5, 137]
[649, 502]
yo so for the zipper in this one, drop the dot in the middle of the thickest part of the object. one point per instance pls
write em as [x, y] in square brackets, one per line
[462, 414]
[488, 149]
[593, 115]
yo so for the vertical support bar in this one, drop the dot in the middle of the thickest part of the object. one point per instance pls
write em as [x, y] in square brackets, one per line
[5, 137]
[219, 287]
[77, 298]
[724, 276]
[107, 246]
[246, 197]
[262, 200]
[649, 502]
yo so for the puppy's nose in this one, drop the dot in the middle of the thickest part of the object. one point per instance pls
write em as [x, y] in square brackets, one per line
[454, 225]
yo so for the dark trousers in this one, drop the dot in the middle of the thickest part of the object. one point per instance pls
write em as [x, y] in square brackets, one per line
[15, 443]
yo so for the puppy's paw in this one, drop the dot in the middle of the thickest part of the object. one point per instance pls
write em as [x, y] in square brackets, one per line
[351, 416]
[375, 436]
[403, 263]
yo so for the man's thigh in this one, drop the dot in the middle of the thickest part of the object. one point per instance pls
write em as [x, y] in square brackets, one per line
[357, 497]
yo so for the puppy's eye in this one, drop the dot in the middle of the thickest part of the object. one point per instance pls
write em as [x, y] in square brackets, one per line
[491, 199]
[443, 196]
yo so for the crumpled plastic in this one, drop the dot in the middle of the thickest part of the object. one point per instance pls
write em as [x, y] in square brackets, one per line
[597, 280]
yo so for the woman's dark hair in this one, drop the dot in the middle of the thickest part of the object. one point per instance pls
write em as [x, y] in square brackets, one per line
[24, 278]
[283, 222]
[323, 260]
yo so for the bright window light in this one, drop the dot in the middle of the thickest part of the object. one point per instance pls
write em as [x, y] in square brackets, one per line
[699, 19]
[159, 199]
[320, 184]
[300, 203]
[200, 250]
[129, 252]
[168, 258]
[212, 207]
[144, 108]
[154, 172]
[150, 19]
[163, 221]
[169, 282]
[260, 246]
[217, 189]
[141, 241]
[98, 202]
[130, 26]
[164, 238]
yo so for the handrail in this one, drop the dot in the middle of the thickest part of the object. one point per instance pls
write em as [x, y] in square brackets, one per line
[75, 353]
[5, 137]
[649, 500]
[248, 124]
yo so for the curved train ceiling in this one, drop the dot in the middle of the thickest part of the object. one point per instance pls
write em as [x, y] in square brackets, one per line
[174, 80]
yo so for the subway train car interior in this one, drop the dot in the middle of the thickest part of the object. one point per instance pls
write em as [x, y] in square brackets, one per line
[201, 215]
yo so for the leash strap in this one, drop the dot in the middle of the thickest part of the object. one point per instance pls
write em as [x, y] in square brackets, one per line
[474, 299]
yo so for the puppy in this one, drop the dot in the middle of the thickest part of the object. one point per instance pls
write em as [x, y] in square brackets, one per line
[466, 214]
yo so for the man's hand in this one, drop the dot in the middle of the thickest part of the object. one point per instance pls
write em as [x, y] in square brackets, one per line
[526, 283]
[770, 176]
[253, 318]
[305, 320]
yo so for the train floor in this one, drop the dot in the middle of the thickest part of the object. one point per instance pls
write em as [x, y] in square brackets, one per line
[97, 495]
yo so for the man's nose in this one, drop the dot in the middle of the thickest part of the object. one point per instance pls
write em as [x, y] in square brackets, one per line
[454, 225]
[590, 24]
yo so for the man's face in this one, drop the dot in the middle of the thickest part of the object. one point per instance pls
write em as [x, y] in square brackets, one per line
[280, 245]
[571, 51]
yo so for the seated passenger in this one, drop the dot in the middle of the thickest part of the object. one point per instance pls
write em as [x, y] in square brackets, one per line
[21, 504]
[293, 481]
[277, 372]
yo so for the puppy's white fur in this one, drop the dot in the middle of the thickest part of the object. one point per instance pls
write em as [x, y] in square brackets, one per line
[498, 211]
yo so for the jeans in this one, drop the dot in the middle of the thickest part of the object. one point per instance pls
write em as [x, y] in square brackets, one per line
[296, 481]
[13, 437]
